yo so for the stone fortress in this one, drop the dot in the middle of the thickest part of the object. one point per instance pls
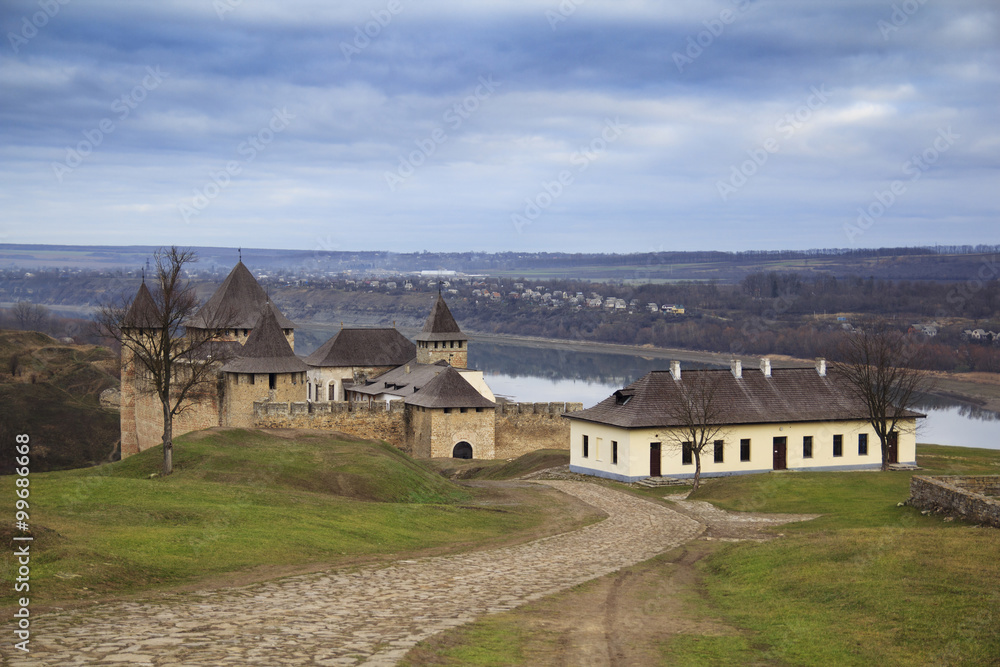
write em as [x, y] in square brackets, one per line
[370, 383]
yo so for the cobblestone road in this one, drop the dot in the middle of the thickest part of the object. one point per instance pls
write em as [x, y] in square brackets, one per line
[371, 616]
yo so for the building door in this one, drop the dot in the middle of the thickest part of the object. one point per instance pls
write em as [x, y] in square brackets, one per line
[892, 447]
[654, 459]
[780, 453]
[463, 450]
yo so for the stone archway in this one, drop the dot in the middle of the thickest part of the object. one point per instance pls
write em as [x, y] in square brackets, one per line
[462, 450]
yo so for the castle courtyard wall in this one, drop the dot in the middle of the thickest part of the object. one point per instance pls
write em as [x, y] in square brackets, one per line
[527, 427]
[511, 430]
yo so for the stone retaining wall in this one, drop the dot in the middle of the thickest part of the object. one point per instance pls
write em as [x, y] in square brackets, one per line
[963, 495]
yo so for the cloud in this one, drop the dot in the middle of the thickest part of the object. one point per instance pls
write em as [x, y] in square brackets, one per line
[374, 88]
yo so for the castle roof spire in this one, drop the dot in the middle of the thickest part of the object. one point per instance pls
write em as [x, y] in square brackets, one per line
[143, 313]
[266, 350]
[440, 324]
[236, 304]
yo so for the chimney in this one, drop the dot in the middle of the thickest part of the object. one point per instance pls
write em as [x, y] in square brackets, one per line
[675, 369]
[737, 367]
[821, 367]
[765, 367]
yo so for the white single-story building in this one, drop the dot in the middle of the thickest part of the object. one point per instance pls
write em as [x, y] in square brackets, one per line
[780, 419]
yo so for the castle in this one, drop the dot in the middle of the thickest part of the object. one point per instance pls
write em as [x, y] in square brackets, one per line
[370, 383]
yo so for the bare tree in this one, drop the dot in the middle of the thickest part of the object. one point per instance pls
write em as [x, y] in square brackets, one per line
[699, 415]
[30, 317]
[877, 365]
[14, 364]
[165, 362]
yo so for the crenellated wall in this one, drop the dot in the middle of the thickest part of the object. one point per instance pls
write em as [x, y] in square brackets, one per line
[519, 427]
[526, 427]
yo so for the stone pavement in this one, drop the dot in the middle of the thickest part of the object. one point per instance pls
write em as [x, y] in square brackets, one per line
[370, 616]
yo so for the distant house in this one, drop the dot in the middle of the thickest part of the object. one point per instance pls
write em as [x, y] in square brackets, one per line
[793, 418]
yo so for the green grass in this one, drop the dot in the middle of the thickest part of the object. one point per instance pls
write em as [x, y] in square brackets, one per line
[867, 583]
[499, 470]
[239, 500]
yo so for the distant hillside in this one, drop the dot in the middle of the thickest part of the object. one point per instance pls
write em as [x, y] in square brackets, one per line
[51, 392]
[944, 263]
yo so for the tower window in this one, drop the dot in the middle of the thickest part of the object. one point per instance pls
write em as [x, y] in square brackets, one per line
[272, 379]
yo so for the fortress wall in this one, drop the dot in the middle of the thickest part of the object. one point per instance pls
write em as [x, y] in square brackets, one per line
[360, 420]
[527, 427]
[142, 415]
[519, 428]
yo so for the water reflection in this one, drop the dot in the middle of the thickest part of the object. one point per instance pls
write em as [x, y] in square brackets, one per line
[969, 410]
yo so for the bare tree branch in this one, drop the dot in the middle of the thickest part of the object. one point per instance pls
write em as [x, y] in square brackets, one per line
[878, 368]
[30, 317]
[699, 414]
[156, 351]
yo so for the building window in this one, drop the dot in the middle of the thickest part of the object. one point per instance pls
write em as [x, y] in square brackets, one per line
[331, 391]
[309, 391]
[272, 380]
[586, 446]
[718, 451]
[463, 410]
[687, 453]
[253, 378]
[447, 411]
[745, 449]
[862, 444]
[614, 452]
[807, 447]
[838, 445]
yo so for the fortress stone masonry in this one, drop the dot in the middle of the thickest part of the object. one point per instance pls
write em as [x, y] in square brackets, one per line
[368, 383]
[517, 428]
[975, 497]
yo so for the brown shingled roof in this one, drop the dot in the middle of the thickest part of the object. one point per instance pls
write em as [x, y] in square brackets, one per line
[440, 324]
[266, 350]
[143, 313]
[449, 389]
[789, 395]
[364, 347]
[236, 304]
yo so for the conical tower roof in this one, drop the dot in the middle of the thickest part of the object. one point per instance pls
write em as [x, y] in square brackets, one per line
[143, 313]
[236, 304]
[266, 350]
[440, 325]
[449, 389]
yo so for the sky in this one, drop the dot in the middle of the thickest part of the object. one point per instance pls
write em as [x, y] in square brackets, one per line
[574, 126]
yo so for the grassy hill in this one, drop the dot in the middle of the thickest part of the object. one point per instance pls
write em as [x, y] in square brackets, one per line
[244, 501]
[54, 397]
[500, 469]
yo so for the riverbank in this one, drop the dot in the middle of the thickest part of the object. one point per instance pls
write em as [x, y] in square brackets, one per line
[980, 389]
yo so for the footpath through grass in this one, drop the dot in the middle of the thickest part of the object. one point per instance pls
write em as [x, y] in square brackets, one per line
[240, 500]
[867, 583]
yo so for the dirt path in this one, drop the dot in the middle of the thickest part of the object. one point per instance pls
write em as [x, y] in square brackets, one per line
[373, 615]
[623, 619]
